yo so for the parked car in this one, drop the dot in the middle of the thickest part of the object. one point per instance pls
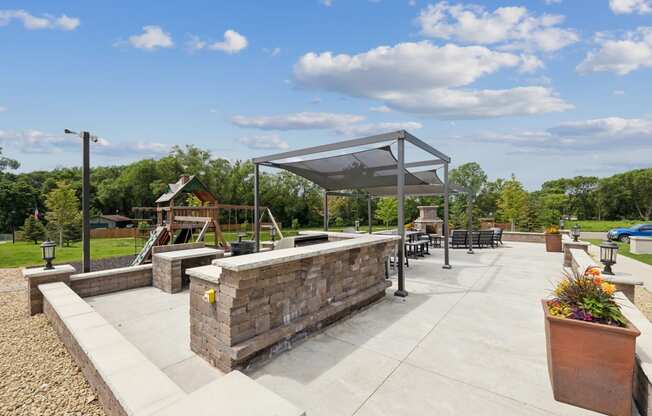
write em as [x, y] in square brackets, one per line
[623, 234]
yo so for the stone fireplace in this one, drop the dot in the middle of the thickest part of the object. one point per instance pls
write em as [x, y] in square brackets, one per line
[428, 220]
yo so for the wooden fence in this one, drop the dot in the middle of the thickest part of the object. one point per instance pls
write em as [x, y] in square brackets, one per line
[113, 232]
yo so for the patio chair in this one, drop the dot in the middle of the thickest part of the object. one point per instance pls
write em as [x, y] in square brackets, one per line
[458, 238]
[486, 238]
[475, 239]
[498, 236]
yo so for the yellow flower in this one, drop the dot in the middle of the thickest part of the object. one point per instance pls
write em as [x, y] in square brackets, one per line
[561, 287]
[608, 288]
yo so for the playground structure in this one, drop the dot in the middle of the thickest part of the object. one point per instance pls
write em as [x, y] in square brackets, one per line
[187, 207]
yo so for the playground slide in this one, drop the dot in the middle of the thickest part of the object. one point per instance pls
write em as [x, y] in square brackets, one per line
[157, 237]
[184, 236]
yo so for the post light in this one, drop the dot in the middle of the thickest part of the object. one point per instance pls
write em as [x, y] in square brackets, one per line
[272, 232]
[357, 225]
[561, 224]
[48, 248]
[575, 232]
[608, 252]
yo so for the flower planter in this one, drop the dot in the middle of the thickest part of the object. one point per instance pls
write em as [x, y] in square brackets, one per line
[591, 365]
[553, 243]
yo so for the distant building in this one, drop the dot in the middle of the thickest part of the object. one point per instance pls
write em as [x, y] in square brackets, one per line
[111, 221]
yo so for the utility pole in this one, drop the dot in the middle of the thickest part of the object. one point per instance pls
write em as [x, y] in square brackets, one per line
[86, 195]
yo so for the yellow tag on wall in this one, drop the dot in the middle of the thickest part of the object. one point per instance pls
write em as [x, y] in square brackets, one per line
[209, 296]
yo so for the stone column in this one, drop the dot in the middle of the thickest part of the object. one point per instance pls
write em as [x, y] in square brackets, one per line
[38, 276]
[568, 245]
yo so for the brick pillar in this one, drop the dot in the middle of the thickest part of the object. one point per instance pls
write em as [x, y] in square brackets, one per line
[38, 276]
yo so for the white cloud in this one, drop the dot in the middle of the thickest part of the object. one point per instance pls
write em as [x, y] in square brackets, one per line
[3, 109]
[405, 66]
[550, 2]
[153, 37]
[32, 22]
[530, 63]
[315, 100]
[606, 128]
[381, 109]
[264, 142]
[412, 2]
[327, 3]
[622, 56]
[233, 43]
[272, 52]
[630, 6]
[296, 121]
[38, 142]
[376, 128]
[421, 77]
[508, 27]
[618, 92]
[450, 104]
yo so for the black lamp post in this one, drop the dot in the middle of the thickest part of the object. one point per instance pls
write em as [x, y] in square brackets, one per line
[272, 232]
[608, 252]
[575, 232]
[48, 248]
[357, 225]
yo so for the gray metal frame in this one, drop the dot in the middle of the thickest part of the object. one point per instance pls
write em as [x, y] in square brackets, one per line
[401, 137]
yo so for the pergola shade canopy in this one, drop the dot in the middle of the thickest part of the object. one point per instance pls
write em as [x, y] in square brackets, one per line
[373, 171]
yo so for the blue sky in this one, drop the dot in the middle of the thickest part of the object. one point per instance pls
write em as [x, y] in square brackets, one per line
[540, 88]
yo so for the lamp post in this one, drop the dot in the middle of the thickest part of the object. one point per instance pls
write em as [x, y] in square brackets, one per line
[608, 253]
[272, 233]
[575, 232]
[86, 185]
[357, 225]
[561, 224]
[48, 250]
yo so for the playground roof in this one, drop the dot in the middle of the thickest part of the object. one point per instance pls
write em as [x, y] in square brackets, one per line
[190, 185]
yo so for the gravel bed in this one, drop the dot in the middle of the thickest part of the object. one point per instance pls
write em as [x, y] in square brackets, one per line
[37, 375]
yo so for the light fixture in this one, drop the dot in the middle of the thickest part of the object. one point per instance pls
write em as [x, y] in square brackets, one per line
[48, 248]
[561, 223]
[357, 225]
[575, 232]
[608, 252]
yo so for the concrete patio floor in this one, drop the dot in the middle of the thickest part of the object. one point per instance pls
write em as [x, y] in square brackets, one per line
[465, 341]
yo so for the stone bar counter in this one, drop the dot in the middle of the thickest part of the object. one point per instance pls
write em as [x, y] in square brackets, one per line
[264, 302]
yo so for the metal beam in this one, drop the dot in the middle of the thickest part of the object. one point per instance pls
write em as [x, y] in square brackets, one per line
[433, 162]
[257, 206]
[86, 196]
[400, 196]
[446, 227]
[325, 211]
[369, 214]
[425, 146]
[379, 138]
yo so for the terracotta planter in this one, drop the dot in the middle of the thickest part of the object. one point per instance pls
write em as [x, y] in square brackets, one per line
[553, 243]
[591, 365]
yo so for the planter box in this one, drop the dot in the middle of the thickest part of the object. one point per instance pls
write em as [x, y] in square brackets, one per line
[591, 365]
[553, 243]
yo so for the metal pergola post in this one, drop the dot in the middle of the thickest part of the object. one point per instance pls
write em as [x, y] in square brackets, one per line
[325, 210]
[400, 196]
[469, 199]
[86, 195]
[257, 205]
[369, 214]
[447, 264]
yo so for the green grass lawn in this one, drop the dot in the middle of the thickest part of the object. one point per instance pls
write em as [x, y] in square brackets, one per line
[624, 250]
[597, 226]
[24, 253]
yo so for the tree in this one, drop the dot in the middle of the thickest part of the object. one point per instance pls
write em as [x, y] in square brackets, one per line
[513, 202]
[33, 229]
[6, 163]
[387, 210]
[63, 210]
[472, 178]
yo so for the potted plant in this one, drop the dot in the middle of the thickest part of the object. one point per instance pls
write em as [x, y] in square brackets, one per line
[553, 239]
[591, 345]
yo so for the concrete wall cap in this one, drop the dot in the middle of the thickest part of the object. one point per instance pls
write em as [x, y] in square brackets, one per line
[111, 272]
[40, 271]
[188, 254]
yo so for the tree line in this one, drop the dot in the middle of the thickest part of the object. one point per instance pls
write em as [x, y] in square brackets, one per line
[295, 201]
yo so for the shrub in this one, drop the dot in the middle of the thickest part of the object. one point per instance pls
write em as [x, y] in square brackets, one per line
[295, 224]
[339, 222]
[33, 230]
[586, 297]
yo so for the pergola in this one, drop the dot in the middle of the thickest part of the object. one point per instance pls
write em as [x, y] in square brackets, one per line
[375, 171]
